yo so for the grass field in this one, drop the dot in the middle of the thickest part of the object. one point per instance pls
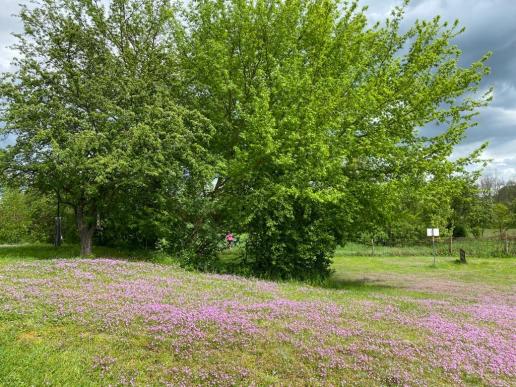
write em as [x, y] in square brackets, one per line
[377, 321]
[489, 245]
[480, 248]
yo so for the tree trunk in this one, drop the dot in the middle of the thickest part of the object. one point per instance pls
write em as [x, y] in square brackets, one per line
[86, 236]
[86, 232]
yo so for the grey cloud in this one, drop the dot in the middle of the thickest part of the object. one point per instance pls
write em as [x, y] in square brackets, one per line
[489, 26]
[504, 94]
[9, 24]
[8, 140]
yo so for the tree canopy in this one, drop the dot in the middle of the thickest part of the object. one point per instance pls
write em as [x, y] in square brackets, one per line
[92, 104]
[297, 123]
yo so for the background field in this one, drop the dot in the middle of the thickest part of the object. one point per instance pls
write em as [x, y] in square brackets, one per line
[377, 321]
[489, 245]
[480, 248]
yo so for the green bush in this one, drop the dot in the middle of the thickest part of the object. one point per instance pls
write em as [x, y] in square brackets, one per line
[460, 231]
[291, 239]
[27, 216]
[15, 219]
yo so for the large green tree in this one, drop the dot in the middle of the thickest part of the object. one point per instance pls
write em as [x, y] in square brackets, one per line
[92, 104]
[296, 122]
[318, 118]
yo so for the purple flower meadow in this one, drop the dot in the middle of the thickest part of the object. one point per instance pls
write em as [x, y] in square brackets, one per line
[294, 334]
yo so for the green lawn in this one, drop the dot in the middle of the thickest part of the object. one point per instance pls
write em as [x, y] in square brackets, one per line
[377, 321]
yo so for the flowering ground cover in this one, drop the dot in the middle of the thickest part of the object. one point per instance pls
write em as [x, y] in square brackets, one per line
[378, 321]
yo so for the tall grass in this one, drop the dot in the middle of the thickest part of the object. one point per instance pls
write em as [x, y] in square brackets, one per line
[491, 247]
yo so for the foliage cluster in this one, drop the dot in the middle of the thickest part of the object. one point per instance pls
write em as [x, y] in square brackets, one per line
[296, 123]
[474, 207]
[29, 217]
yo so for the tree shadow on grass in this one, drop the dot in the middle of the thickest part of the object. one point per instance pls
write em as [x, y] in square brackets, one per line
[47, 251]
[355, 284]
[36, 251]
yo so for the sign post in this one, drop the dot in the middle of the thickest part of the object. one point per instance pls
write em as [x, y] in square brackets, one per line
[432, 232]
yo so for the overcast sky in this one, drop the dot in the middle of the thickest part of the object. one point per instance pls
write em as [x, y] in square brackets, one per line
[490, 26]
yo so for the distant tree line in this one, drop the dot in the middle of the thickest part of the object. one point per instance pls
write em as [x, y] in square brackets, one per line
[490, 203]
[486, 203]
[497, 206]
[296, 123]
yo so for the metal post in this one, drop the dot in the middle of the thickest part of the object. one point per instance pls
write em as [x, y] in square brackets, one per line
[433, 246]
[432, 232]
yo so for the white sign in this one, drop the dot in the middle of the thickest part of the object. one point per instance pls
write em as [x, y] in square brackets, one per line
[432, 232]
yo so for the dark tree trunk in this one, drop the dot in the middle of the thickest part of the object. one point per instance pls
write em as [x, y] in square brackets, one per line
[86, 236]
[86, 231]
